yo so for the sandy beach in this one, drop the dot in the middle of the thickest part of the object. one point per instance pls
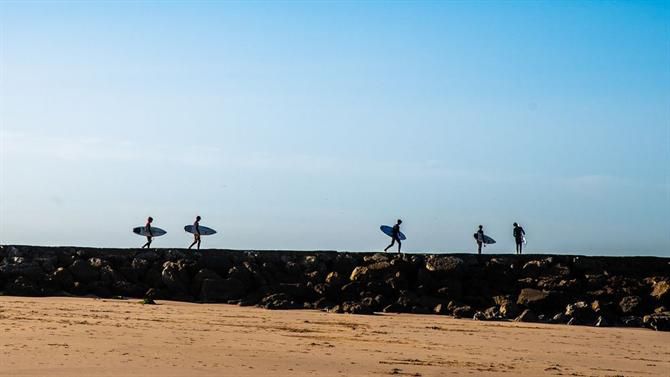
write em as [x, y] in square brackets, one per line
[96, 337]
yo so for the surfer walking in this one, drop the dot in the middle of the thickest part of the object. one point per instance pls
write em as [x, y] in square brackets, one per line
[196, 232]
[519, 234]
[480, 239]
[395, 236]
[147, 232]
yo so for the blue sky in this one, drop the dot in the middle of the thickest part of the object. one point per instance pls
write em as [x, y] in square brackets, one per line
[307, 125]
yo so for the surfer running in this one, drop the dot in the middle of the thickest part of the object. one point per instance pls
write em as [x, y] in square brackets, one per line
[519, 234]
[395, 237]
[148, 233]
[480, 239]
[196, 232]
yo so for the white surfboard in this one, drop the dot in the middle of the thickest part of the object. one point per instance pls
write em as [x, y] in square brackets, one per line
[155, 232]
[204, 231]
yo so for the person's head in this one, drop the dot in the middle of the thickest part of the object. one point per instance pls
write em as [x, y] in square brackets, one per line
[399, 221]
[516, 225]
[150, 219]
[481, 227]
[197, 218]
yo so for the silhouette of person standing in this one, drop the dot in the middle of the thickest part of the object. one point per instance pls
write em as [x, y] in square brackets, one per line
[196, 232]
[480, 239]
[147, 232]
[519, 234]
[395, 237]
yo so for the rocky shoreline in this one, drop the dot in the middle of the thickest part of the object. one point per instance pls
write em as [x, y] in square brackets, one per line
[562, 289]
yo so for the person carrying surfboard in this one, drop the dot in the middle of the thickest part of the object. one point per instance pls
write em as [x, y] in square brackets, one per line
[395, 236]
[480, 239]
[519, 234]
[196, 232]
[147, 231]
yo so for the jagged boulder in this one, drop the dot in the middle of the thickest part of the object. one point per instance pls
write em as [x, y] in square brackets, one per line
[630, 305]
[527, 316]
[84, 272]
[22, 286]
[464, 311]
[536, 268]
[657, 321]
[661, 292]
[580, 312]
[534, 299]
[175, 276]
[279, 301]
[218, 290]
[445, 266]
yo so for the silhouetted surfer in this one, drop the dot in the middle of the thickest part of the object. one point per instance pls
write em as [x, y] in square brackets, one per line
[395, 236]
[196, 232]
[148, 233]
[480, 239]
[519, 234]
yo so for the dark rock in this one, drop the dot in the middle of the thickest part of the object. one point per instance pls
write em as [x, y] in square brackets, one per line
[359, 273]
[581, 312]
[536, 268]
[560, 318]
[492, 313]
[508, 309]
[453, 290]
[533, 298]
[632, 321]
[350, 291]
[334, 279]
[464, 311]
[657, 321]
[279, 301]
[217, 290]
[128, 289]
[441, 309]
[63, 278]
[445, 266]
[175, 276]
[526, 316]
[479, 316]
[661, 292]
[84, 272]
[602, 322]
[377, 257]
[356, 308]
[396, 308]
[203, 274]
[21, 286]
[630, 305]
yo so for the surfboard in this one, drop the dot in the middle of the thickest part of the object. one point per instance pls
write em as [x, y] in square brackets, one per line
[487, 240]
[388, 230]
[204, 231]
[157, 232]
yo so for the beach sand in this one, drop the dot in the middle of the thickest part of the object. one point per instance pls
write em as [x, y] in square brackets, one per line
[96, 337]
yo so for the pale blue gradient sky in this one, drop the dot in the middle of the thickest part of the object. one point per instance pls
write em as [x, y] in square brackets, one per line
[307, 125]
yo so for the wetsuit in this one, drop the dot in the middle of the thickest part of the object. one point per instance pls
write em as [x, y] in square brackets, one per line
[395, 237]
[518, 237]
[149, 234]
[480, 240]
[196, 234]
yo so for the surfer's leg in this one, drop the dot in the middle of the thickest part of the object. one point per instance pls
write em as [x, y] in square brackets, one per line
[198, 242]
[389, 246]
[479, 247]
[399, 245]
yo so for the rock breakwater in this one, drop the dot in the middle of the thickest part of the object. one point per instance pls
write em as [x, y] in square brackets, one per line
[565, 289]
